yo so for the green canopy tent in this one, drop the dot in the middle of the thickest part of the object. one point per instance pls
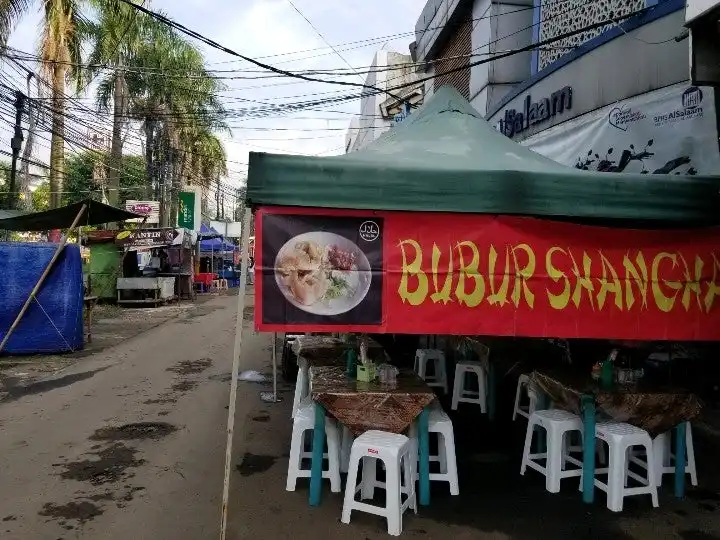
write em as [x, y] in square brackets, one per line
[446, 158]
[446, 148]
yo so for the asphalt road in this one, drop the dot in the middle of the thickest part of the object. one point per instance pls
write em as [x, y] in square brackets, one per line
[129, 442]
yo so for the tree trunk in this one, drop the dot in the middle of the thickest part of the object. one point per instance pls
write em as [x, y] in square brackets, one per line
[115, 161]
[25, 194]
[217, 200]
[149, 146]
[57, 143]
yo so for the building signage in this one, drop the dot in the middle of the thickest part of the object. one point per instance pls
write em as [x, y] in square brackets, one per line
[147, 237]
[465, 274]
[186, 210]
[514, 121]
[149, 209]
[668, 131]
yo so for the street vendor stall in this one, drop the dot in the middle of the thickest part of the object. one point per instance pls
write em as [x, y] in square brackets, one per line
[509, 243]
[42, 283]
[159, 265]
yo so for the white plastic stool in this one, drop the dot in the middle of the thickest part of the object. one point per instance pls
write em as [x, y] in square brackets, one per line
[463, 395]
[305, 421]
[302, 385]
[439, 372]
[556, 423]
[620, 438]
[222, 284]
[523, 386]
[395, 452]
[439, 422]
[663, 456]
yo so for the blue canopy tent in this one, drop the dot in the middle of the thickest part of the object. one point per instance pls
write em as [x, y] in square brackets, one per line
[212, 245]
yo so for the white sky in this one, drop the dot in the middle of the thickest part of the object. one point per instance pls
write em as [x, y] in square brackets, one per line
[258, 28]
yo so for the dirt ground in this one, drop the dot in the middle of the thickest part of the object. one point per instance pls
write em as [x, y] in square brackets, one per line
[112, 325]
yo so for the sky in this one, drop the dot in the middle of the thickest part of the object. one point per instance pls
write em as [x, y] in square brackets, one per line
[273, 31]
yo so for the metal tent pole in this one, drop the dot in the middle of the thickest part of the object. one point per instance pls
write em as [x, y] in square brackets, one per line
[237, 347]
[43, 276]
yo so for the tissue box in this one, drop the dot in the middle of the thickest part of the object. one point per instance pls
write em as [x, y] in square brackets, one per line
[366, 373]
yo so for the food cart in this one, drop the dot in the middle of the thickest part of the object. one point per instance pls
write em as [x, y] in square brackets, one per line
[158, 267]
[509, 243]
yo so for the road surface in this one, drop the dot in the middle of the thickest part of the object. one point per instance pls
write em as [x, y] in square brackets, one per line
[128, 442]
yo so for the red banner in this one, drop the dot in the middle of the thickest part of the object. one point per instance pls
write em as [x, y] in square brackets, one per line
[352, 271]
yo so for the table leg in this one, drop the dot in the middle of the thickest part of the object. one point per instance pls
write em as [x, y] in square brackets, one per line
[424, 455]
[491, 392]
[318, 447]
[680, 450]
[588, 474]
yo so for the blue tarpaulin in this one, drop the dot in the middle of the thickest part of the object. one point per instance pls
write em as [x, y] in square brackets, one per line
[54, 321]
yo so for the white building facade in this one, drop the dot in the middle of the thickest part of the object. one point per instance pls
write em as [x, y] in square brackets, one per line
[380, 111]
[608, 90]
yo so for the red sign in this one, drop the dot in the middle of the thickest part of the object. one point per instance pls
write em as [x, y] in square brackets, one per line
[333, 271]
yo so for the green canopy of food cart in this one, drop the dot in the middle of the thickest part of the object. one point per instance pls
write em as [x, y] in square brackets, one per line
[444, 157]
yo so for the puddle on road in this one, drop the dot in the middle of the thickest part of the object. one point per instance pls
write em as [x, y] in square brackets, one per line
[12, 393]
[73, 511]
[183, 386]
[111, 465]
[129, 432]
[254, 464]
[261, 418]
[191, 367]
[222, 377]
[160, 401]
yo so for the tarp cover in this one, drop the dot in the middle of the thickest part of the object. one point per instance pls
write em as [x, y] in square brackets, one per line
[213, 241]
[54, 322]
[96, 213]
[445, 158]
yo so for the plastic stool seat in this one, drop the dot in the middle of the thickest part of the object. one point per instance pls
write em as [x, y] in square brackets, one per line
[439, 422]
[305, 421]
[461, 394]
[394, 451]
[664, 456]
[438, 378]
[557, 423]
[621, 437]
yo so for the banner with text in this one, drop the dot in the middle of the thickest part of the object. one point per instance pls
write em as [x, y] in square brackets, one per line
[669, 131]
[333, 271]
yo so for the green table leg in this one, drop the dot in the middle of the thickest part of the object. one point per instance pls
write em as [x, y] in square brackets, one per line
[680, 451]
[318, 447]
[424, 457]
[588, 478]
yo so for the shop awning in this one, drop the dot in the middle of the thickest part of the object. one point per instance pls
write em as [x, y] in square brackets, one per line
[96, 213]
[446, 158]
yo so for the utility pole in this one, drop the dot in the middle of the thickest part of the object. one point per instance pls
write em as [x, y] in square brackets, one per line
[16, 145]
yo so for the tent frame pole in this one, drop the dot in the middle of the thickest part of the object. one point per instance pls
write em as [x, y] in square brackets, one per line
[43, 276]
[237, 347]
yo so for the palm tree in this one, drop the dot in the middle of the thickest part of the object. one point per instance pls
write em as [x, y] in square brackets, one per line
[61, 31]
[175, 98]
[114, 36]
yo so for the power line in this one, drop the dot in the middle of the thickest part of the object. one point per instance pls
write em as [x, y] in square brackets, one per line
[210, 42]
[340, 56]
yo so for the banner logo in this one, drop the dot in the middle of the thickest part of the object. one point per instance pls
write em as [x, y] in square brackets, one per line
[369, 231]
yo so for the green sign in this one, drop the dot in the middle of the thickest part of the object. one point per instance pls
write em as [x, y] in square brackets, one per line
[186, 210]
